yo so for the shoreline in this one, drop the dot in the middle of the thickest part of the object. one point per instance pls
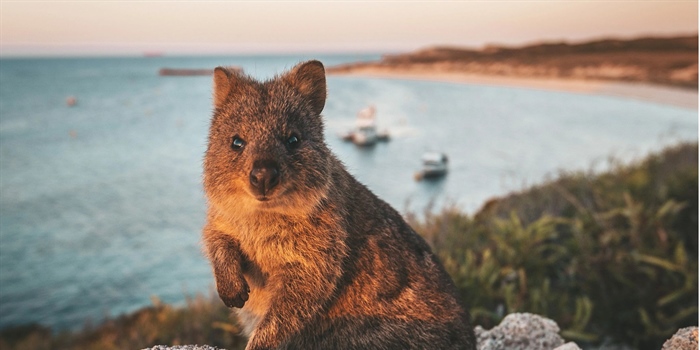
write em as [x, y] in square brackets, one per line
[661, 94]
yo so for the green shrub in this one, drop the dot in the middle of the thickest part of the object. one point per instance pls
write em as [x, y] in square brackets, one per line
[605, 256]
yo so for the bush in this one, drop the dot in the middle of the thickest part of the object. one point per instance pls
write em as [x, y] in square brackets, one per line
[605, 256]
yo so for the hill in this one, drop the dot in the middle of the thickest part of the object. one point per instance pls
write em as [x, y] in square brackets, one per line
[671, 61]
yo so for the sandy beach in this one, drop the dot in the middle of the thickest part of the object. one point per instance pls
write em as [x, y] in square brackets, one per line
[675, 96]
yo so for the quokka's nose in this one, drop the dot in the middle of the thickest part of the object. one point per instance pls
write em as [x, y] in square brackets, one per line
[264, 176]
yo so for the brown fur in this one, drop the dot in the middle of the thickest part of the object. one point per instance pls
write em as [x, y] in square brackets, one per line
[312, 258]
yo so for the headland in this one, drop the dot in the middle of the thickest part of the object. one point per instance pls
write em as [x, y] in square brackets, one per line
[660, 70]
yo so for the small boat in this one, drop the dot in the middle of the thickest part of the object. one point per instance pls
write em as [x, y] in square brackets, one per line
[365, 132]
[434, 166]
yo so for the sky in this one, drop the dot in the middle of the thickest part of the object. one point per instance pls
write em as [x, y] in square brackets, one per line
[134, 27]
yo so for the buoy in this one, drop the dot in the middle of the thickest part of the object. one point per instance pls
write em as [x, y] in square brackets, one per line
[71, 101]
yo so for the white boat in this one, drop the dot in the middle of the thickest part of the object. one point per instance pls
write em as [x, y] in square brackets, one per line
[434, 166]
[365, 131]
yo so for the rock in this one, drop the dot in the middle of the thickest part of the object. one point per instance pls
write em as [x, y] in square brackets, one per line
[520, 331]
[568, 346]
[183, 347]
[684, 339]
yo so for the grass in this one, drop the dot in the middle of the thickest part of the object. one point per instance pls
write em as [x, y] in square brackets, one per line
[609, 257]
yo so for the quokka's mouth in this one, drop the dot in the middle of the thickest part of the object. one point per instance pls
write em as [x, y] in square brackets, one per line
[269, 197]
[269, 202]
[266, 199]
[274, 199]
[264, 196]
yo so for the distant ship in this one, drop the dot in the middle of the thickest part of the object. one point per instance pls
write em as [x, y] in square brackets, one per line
[191, 71]
[184, 72]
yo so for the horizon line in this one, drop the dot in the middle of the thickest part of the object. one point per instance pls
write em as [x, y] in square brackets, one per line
[113, 51]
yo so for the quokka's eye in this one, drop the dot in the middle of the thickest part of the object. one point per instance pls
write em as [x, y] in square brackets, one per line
[293, 142]
[237, 143]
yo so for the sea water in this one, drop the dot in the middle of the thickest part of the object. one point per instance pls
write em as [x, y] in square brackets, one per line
[101, 204]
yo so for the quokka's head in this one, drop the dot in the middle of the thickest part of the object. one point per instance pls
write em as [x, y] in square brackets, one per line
[266, 148]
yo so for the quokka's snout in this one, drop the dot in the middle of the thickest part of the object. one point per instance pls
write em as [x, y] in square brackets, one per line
[264, 177]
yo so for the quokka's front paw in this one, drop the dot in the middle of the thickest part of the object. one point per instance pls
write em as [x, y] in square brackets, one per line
[233, 293]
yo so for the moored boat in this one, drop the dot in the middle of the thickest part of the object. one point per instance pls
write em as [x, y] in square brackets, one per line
[434, 166]
[365, 132]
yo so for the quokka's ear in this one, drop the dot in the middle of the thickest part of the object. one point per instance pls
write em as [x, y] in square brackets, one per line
[224, 80]
[309, 78]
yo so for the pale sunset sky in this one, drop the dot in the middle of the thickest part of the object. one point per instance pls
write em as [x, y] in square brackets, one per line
[132, 27]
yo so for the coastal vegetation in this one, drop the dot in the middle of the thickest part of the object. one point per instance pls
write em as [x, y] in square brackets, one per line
[611, 257]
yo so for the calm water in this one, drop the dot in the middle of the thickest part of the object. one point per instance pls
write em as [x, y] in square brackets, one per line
[101, 204]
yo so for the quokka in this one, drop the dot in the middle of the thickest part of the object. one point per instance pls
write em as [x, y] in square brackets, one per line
[309, 256]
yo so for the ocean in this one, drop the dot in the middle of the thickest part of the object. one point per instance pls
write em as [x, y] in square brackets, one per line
[101, 204]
